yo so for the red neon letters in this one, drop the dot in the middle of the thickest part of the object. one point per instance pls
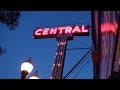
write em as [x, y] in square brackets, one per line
[107, 27]
[52, 32]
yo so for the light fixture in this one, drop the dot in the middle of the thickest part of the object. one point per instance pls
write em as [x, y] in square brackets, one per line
[26, 68]
[34, 76]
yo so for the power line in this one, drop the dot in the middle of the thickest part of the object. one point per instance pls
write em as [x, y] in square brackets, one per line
[73, 47]
[77, 64]
[81, 18]
[62, 25]
[76, 48]
[81, 43]
[65, 24]
[76, 40]
[45, 18]
[81, 67]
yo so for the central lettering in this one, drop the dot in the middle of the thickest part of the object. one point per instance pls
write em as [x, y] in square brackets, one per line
[52, 32]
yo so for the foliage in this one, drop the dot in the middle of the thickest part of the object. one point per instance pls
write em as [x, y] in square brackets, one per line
[2, 50]
[10, 18]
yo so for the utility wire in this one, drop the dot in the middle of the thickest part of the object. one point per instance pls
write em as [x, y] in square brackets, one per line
[69, 45]
[79, 41]
[83, 17]
[45, 19]
[77, 19]
[65, 24]
[81, 68]
[76, 48]
[77, 64]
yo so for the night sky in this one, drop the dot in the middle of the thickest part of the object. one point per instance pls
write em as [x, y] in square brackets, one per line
[20, 45]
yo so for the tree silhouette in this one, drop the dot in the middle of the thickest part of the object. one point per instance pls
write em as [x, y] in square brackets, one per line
[10, 19]
[2, 50]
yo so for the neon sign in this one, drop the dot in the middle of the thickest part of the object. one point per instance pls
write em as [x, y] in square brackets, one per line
[53, 32]
[107, 27]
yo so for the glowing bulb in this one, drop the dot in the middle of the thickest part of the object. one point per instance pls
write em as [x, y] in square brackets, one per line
[61, 43]
[56, 53]
[33, 77]
[53, 64]
[60, 53]
[50, 77]
[64, 43]
[59, 64]
[27, 67]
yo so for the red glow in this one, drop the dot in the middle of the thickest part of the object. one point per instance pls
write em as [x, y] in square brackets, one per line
[52, 32]
[68, 29]
[76, 29]
[46, 31]
[107, 27]
[38, 32]
[61, 29]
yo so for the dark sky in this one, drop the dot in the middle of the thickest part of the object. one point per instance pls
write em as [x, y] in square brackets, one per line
[20, 45]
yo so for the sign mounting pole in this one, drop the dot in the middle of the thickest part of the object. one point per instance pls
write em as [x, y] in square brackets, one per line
[60, 56]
